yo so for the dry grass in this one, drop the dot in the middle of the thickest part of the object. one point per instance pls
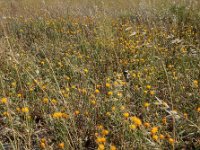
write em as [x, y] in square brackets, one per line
[63, 78]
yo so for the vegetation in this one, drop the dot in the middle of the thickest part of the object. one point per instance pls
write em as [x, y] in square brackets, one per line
[99, 75]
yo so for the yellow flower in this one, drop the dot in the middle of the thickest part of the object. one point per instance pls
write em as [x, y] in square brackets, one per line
[100, 127]
[171, 141]
[4, 100]
[13, 84]
[148, 86]
[45, 100]
[25, 109]
[19, 95]
[132, 127]
[136, 120]
[195, 84]
[61, 145]
[93, 102]
[164, 120]
[42, 145]
[146, 104]
[85, 70]
[152, 92]
[101, 140]
[198, 109]
[147, 125]
[119, 94]
[155, 137]
[108, 114]
[154, 130]
[122, 107]
[6, 114]
[108, 85]
[145, 91]
[97, 91]
[126, 115]
[113, 108]
[101, 147]
[185, 115]
[110, 93]
[76, 112]
[162, 136]
[112, 147]
[57, 115]
[54, 101]
[105, 132]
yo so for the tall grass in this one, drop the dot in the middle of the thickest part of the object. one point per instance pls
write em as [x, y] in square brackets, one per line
[99, 75]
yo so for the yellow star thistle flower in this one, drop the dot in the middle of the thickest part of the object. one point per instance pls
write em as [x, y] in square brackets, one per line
[4, 100]
[25, 109]
[136, 120]
[154, 130]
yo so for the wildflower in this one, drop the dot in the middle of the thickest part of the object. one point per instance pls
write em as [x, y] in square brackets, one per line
[101, 140]
[126, 115]
[164, 120]
[136, 120]
[54, 101]
[85, 70]
[19, 95]
[76, 112]
[171, 141]
[198, 109]
[185, 115]
[108, 114]
[145, 91]
[108, 85]
[97, 91]
[148, 86]
[155, 137]
[105, 132]
[57, 115]
[161, 136]
[64, 115]
[112, 147]
[93, 102]
[152, 92]
[195, 83]
[119, 94]
[45, 100]
[146, 104]
[6, 114]
[132, 127]
[61, 145]
[110, 93]
[42, 145]
[101, 147]
[147, 125]
[13, 84]
[122, 107]
[25, 109]
[154, 130]
[4, 100]
[100, 127]
[113, 108]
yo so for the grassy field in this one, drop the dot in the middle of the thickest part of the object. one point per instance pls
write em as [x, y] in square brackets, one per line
[97, 74]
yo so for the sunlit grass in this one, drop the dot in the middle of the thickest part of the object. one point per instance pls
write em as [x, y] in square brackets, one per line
[99, 78]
